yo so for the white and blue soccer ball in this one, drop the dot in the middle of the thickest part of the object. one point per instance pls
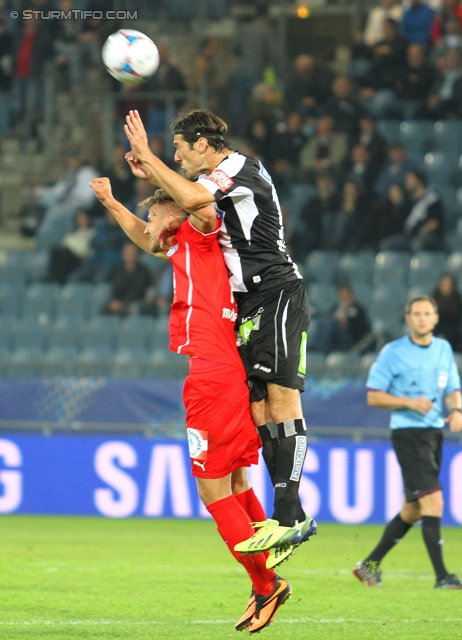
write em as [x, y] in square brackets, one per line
[130, 56]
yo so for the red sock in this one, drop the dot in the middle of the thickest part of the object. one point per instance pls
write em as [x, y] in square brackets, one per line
[234, 527]
[251, 505]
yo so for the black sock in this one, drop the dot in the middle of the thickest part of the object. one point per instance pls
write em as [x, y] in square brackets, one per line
[289, 459]
[269, 437]
[394, 531]
[431, 532]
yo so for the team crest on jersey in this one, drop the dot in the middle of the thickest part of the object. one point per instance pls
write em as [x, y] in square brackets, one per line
[173, 249]
[198, 444]
[264, 174]
[221, 179]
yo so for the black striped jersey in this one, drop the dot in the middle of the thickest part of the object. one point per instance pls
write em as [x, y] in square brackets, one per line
[252, 232]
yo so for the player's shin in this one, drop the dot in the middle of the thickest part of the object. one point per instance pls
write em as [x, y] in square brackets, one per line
[289, 460]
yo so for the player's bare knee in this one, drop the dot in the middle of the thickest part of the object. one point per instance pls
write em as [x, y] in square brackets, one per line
[239, 481]
[284, 403]
[260, 413]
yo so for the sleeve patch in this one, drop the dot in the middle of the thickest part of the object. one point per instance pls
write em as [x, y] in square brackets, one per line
[221, 179]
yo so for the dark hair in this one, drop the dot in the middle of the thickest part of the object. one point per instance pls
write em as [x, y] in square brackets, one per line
[422, 298]
[201, 123]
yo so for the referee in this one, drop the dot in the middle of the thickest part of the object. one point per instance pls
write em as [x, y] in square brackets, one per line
[411, 376]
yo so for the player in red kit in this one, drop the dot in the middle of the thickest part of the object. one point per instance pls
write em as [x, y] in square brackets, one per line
[221, 435]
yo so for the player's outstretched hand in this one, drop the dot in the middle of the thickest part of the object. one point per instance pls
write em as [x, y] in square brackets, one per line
[102, 189]
[422, 405]
[137, 136]
[454, 420]
[137, 168]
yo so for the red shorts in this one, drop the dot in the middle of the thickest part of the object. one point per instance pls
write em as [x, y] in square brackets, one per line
[221, 434]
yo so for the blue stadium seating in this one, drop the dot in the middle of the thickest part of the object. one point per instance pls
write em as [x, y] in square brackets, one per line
[12, 297]
[441, 167]
[417, 136]
[363, 294]
[357, 267]
[60, 361]
[322, 266]
[100, 332]
[322, 297]
[94, 361]
[136, 332]
[65, 332]
[391, 267]
[388, 300]
[37, 266]
[130, 362]
[341, 364]
[447, 136]
[315, 364]
[454, 265]
[390, 130]
[29, 333]
[99, 296]
[25, 361]
[426, 267]
[74, 300]
[164, 363]
[40, 300]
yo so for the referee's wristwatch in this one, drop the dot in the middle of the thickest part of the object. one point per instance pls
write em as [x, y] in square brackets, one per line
[456, 409]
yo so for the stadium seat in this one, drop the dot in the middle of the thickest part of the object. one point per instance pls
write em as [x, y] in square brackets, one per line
[160, 337]
[452, 206]
[458, 361]
[315, 364]
[130, 363]
[29, 333]
[40, 300]
[322, 297]
[100, 332]
[441, 168]
[454, 265]
[391, 267]
[60, 361]
[419, 290]
[95, 361]
[6, 322]
[13, 266]
[25, 361]
[164, 363]
[390, 130]
[12, 298]
[155, 265]
[426, 268]
[388, 298]
[74, 300]
[366, 363]
[37, 266]
[99, 296]
[342, 365]
[417, 136]
[65, 332]
[321, 266]
[356, 268]
[447, 136]
[363, 294]
[136, 332]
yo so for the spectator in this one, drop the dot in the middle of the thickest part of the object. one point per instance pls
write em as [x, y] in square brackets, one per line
[424, 226]
[413, 84]
[417, 23]
[254, 47]
[443, 25]
[287, 143]
[168, 77]
[324, 152]
[67, 46]
[449, 303]
[360, 169]
[130, 281]
[388, 60]
[107, 245]
[159, 296]
[63, 199]
[74, 249]
[344, 327]
[307, 235]
[267, 104]
[260, 138]
[394, 171]
[6, 78]
[308, 87]
[209, 73]
[374, 142]
[344, 108]
[391, 213]
[451, 38]
[374, 31]
[121, 177]
[349, 228]
[441, 103]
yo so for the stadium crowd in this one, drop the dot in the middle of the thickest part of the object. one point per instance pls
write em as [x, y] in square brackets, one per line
[363, 159]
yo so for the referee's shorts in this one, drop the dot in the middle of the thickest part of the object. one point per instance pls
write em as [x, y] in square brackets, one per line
[419, 453]
[272, 333]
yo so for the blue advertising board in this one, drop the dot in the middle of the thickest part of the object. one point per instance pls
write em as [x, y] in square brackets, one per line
[119, 477]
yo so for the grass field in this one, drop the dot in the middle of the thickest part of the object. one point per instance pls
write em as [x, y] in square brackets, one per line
[94, 578]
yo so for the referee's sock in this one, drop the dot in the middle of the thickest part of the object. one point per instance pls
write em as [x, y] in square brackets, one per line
[394, 531]
[431, 532]
[233, 525]
[288, 462]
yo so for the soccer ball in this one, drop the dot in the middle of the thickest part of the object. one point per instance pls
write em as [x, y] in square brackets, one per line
[130, 56]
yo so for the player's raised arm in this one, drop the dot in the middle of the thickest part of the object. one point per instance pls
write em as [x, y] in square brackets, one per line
[144, 164]
[134, 227]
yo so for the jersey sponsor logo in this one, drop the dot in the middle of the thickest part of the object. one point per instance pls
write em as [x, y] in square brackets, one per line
[229, 314]
[173, 249]
[197, 444]
[260, 367]
[221, 179]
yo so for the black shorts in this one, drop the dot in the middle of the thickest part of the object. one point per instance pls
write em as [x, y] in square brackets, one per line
[272, 332]
[419, 454]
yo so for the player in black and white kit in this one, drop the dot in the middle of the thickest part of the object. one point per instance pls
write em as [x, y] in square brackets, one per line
[273, 308]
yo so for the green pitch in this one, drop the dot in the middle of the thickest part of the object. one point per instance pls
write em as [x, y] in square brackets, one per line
[64, 578]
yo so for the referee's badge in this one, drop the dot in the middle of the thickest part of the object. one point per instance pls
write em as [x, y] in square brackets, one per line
[443, 380]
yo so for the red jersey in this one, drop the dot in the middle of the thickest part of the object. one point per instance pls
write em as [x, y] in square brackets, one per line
[203, 312]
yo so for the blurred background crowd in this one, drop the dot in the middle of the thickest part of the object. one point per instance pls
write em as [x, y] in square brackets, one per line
[354, 108]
